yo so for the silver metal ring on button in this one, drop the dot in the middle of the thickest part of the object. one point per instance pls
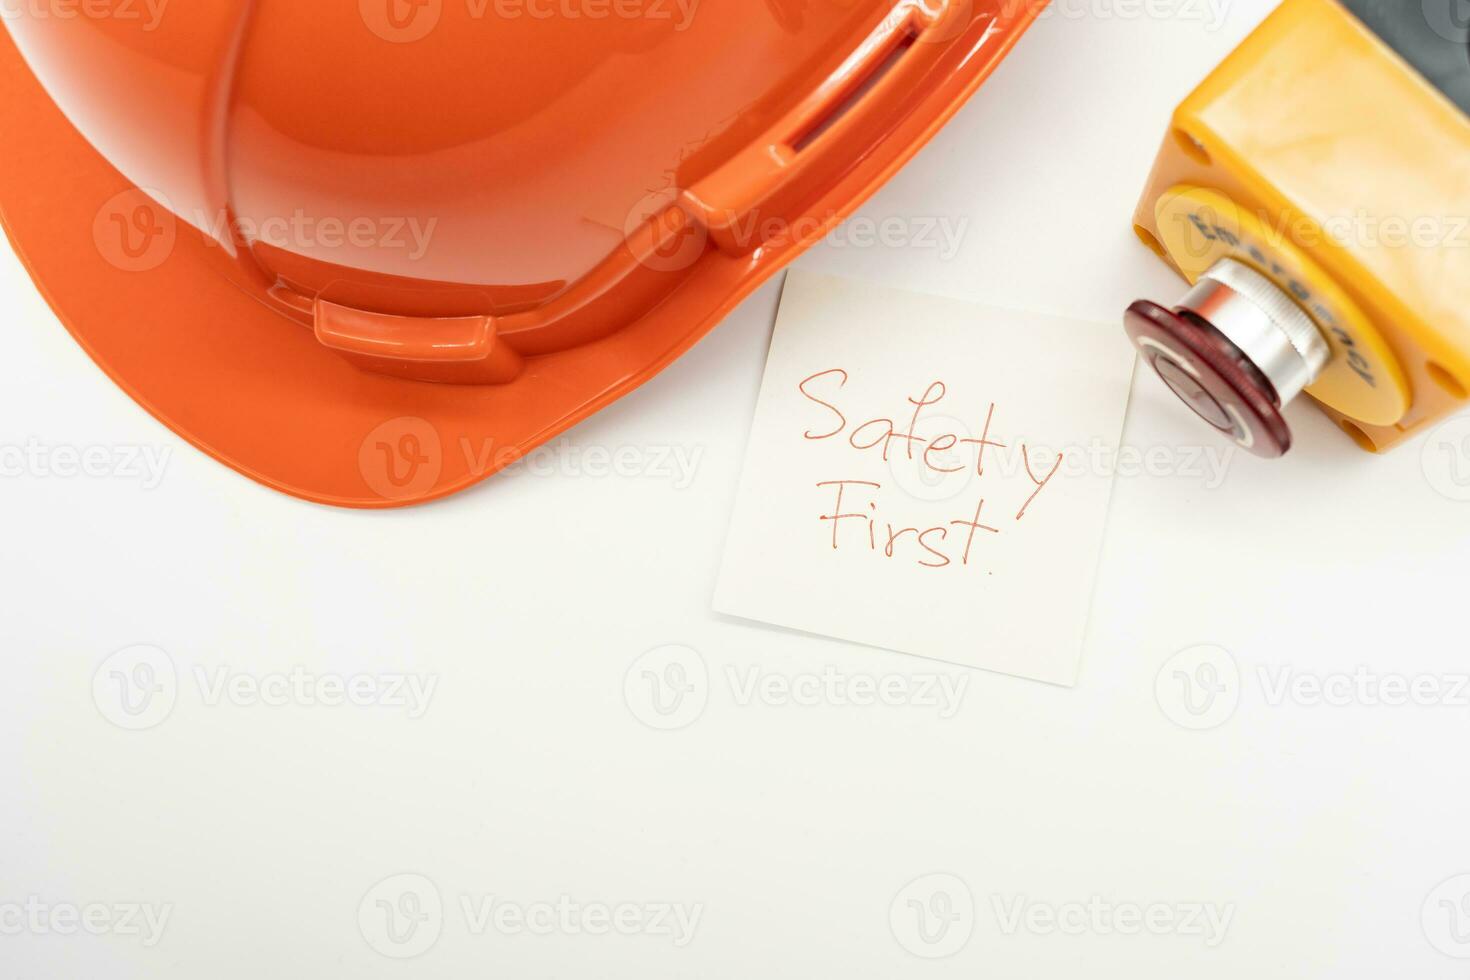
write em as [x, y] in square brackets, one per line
[1266, 324]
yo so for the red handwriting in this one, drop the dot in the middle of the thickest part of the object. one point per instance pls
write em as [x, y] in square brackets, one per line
[933, 541]
[883, 433]
[853, 515]
[1040, 484]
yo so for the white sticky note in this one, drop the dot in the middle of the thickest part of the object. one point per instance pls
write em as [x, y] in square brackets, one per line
[973, 451]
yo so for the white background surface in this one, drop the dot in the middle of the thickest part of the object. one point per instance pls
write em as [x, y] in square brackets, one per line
[796, 828]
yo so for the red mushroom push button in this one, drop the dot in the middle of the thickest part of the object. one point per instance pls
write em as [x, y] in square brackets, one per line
[1236, 350]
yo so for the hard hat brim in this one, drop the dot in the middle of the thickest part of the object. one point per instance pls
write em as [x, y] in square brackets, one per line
[262, 395]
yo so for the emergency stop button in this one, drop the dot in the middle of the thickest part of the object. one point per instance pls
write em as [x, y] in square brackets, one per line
[1236, 350]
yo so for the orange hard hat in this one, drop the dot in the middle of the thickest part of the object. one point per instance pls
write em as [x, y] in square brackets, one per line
[369, 253]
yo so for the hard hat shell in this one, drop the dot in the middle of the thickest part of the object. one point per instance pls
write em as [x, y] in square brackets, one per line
[368, 254]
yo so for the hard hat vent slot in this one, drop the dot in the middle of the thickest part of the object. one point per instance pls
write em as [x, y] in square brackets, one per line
[899, 44]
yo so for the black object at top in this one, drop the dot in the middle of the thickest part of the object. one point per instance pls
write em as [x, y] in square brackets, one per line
[1431, 35]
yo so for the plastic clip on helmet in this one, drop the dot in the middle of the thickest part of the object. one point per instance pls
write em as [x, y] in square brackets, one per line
[333, 244]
